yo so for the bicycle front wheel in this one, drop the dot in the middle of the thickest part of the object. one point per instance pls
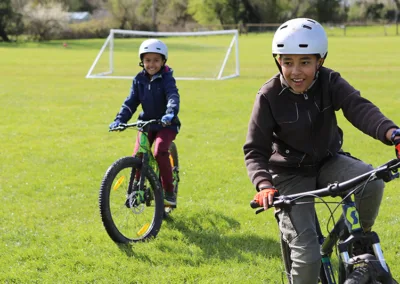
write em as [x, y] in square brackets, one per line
[129, 213]
[369, 271]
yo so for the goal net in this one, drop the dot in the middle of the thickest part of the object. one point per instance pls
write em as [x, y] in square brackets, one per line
[207, 55]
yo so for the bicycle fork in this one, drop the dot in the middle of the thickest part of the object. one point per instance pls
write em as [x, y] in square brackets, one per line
[356, 233]
[136, 189]
[348, 228]
[346, 245]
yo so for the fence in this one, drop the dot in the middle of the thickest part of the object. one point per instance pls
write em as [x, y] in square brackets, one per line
[346, 29]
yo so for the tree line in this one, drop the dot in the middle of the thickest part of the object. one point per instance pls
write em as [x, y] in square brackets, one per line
[47, 19]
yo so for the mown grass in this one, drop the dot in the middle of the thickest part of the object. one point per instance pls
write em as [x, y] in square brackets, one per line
[55, 148]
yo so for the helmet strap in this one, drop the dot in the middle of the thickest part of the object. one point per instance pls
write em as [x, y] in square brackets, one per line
[277, 64]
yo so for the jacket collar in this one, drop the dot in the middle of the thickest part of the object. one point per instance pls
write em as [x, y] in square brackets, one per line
[285, 84]
[159, 74]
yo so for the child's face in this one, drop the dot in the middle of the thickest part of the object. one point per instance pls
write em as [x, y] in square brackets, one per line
[152, 62]
[299, 70]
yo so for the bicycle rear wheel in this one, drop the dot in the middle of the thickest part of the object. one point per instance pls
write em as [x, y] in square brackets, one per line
[130, 214]
[173, 158]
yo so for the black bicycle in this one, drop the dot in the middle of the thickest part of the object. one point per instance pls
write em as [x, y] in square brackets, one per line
[360, 258]
[131, 198]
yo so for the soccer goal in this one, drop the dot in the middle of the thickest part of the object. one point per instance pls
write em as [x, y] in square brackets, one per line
[206, 55]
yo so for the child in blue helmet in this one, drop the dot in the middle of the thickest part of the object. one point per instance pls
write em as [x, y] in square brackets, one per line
[154, 88]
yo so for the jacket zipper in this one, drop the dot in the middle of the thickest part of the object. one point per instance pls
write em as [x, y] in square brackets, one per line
[313, 148]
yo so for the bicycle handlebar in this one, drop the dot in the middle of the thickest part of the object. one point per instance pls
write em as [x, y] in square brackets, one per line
[386, 172]
[139, 124]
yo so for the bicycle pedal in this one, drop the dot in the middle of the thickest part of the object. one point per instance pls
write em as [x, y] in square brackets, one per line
[169, 206]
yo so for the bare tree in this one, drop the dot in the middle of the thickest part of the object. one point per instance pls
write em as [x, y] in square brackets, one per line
[44, 21]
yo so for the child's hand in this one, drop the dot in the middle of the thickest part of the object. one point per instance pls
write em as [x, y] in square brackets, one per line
[114, 124]
[265, 197]
[395, 137]
[166, 119]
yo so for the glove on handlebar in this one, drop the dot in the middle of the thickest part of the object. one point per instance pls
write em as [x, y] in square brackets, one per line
[265, 197]
[396, 142]
[397, 149]
[167, 119]
[115, 124]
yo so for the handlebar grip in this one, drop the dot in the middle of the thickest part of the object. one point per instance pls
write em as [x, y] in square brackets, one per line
[260, 210]
[254, 204]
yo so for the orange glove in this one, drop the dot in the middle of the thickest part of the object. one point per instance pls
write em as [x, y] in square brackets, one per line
[396, 142]
[265, 197]
[397, 149]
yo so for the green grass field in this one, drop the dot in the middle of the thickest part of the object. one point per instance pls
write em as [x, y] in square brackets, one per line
[55, 148]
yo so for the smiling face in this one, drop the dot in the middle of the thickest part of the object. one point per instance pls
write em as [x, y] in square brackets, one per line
[299, 70]
[152, 62]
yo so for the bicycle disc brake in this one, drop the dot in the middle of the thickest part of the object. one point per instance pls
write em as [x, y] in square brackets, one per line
[133, 202]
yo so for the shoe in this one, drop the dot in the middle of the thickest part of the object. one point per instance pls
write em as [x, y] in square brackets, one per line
[170, 199]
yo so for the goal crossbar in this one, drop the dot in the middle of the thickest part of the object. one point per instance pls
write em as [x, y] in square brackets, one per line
[110, 43]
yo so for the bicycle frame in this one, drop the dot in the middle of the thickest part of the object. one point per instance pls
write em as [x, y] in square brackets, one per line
[349, 222]
[145, 152]
[148, 160]
[146, 155]
[348, 229]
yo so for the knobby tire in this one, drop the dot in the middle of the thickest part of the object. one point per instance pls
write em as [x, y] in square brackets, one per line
[127, 230]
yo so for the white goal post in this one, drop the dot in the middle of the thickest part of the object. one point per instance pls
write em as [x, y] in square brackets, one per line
[228, 52]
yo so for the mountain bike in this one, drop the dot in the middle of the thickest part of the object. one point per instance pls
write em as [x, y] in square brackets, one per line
[360, 256]
[131, 197]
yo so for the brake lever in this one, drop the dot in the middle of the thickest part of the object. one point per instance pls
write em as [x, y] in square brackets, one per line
[388, 175]
[120, 127]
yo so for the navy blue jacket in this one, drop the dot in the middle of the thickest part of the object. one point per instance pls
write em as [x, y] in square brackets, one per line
[157, 96]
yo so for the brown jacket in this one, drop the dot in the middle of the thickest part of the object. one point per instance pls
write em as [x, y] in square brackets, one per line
[296, 132]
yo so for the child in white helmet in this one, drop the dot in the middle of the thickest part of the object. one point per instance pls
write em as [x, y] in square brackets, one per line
[294, 143]
[154, 88]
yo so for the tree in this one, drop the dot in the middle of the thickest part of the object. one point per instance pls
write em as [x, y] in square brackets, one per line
[374, 11]
[124, 11]
[204, 11]
[173, 12]
[6, 14]
[325, 10]
[44, 21]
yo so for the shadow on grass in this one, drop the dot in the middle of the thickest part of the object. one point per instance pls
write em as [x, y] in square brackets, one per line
[211, 232]
[129, 250]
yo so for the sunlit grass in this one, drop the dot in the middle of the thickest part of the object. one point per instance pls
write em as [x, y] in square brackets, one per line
[55, 148]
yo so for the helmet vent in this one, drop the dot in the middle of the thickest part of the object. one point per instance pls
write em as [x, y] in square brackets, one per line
[303, 45]
[283, 27]
[307, 27]
[156, 48]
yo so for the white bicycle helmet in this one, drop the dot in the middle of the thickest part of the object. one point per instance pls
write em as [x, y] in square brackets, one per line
[300, 36]
[153, 46]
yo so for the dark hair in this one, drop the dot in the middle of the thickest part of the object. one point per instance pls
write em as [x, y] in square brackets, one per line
[141, 58]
